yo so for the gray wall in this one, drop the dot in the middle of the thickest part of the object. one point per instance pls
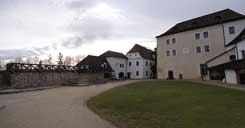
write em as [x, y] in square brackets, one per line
[35, 79]
[3, 80]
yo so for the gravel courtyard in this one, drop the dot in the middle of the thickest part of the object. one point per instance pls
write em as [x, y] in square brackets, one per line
[63, 107]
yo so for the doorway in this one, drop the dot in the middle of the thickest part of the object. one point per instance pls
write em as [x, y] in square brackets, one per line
[121, 75]
[170, 75]
[129, 75]
[242, 78]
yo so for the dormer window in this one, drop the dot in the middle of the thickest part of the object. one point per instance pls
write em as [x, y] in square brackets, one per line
[231, 30]
[194, 24]
[218, 18]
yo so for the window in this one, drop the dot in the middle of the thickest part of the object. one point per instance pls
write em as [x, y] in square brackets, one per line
[174, 52]
[150, 64]
[129, 63]
[205, 34]
[197, 36]
[146, 73]
[203, 69]
[206, 48]
[232, 30]
[173, 40]
[122, 65]
[137, 73]
[167, 42]
[198, 49]
[243, 54]
[168, 53]
[232, 57]
[137, 63]
[146, 63]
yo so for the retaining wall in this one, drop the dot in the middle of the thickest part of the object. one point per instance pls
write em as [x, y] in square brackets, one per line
[36, 79]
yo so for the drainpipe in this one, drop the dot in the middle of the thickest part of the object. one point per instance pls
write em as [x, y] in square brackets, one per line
[223, 29]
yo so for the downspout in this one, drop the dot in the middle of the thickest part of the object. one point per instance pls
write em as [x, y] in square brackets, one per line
[223, 28]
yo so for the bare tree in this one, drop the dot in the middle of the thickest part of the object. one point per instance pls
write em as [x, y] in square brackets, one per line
[28, 60]
[68, 60]
[18, 60]
[1, 65]
[35, 60]
[50, 59]
[60, 59]
[78, 59]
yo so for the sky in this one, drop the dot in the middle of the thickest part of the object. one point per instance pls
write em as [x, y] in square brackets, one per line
[81, 27]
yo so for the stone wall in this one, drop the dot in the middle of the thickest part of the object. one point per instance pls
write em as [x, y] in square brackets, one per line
[35, 79]
[4, 81]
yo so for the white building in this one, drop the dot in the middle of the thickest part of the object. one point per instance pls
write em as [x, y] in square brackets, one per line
[118, 63]
[234, 69]
[140, 62]
[184, 49]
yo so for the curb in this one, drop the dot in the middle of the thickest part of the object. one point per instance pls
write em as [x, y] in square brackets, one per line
[27, 90]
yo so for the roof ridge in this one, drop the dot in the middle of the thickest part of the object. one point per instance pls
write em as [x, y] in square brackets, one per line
[226, 15]
[213, 13]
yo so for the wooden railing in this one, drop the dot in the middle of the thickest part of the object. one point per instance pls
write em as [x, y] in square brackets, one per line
[24, 67]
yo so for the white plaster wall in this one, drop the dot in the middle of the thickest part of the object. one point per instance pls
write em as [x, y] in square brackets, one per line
[188, 62]
[115, 65]
[231, 76]
[239, 26]
[222, 59]
[147, 68]
[240, 47]
[133, 58]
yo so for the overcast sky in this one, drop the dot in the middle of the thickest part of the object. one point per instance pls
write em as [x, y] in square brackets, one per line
[82, 27]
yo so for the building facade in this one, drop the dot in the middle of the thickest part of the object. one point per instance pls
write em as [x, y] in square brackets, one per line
[183, 49]
[232, 70]
[118, 63]
[140, 63]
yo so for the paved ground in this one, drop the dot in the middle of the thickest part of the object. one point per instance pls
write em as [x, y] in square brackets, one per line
[62, 107]
[220, 84]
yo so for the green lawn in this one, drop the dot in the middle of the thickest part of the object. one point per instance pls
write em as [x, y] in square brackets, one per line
[171, 104]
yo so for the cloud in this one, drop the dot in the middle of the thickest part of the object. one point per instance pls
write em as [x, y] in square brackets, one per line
[100, 21]
[21, 53]
[73, 42]
[80, 4]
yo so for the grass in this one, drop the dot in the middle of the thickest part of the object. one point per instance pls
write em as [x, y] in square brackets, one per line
[171, 104]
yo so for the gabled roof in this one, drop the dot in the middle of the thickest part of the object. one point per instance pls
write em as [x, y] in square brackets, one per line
[239, 38]
[219, 55]
[223, 16]
[143, 51]
[113, 54]
[94, 62]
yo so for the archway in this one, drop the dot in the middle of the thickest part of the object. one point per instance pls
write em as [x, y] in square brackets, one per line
[121, 75]
[170, 75]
